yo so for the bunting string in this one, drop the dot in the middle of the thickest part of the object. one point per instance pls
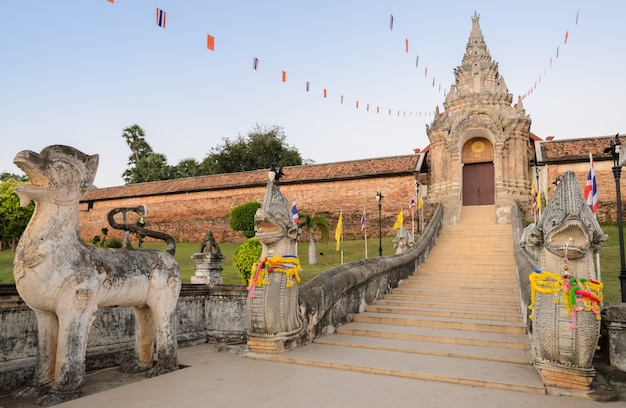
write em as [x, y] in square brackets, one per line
[551, 60]
[394, 28]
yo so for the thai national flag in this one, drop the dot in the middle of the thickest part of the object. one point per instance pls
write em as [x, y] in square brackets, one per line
[160, 17]
[412, 204]
[294, 212]
[363, 220]
[591, 190]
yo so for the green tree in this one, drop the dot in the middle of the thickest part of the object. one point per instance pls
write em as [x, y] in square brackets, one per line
[4, 176]
[242, 218]
[13, 217]
[187, 168]
[139, 147]
[245, 256]
[260, 149]
[144, 164]
[151, 168]
[310, 223]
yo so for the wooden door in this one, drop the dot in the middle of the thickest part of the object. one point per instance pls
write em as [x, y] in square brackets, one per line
[478, 184]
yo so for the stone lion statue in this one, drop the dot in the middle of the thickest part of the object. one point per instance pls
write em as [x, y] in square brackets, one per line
[65, 281]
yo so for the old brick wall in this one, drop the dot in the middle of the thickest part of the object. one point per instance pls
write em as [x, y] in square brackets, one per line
[187, 216]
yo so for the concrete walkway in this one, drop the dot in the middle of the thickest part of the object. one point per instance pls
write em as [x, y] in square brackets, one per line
[219, 379]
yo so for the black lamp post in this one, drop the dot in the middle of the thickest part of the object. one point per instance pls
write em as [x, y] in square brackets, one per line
[617, 170]
[379, 198]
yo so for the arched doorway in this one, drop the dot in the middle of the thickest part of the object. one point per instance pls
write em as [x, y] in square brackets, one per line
[478, 172]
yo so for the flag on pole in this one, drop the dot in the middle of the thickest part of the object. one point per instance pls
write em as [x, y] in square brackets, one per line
[538, 199]
[210, 42]
[160, 17]
[532, 192]
[338, 231]
[591, 190]
[399, 221]
[420, 203]
[294, 211]
[363, 220]
[412, 203]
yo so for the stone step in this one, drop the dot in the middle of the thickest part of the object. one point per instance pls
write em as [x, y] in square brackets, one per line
[458, 300]
[502, 276]
[516, 356]
[442, 304]
[455, 293]
[472, 372]
[463, 282]
[440, 322]
[436, 312]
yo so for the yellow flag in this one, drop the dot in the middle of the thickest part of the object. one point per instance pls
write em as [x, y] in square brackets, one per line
[399, 222]
[338, 231]
[420, 203]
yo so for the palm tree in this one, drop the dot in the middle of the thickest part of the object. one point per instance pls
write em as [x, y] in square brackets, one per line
[309, 223]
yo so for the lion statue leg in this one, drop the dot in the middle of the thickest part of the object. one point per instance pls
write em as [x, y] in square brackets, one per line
[48, 329]
[75, 315]
[162, 303]
[144, 342]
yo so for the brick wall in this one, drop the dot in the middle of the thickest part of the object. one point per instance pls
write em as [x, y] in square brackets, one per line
[188, 215]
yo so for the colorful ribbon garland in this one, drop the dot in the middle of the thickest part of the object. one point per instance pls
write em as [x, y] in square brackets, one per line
[287, 264]
[578, 293]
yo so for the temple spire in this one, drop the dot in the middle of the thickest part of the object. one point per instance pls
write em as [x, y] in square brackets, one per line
[476, 46]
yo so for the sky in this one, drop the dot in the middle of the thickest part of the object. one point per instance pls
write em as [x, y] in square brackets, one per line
[78, 72]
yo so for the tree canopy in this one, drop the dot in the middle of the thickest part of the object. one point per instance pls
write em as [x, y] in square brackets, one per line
[13, 217]
[261, 148]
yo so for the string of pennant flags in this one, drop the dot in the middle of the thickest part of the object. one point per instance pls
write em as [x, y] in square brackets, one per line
[551, 61]
[161, 19]
[408, 50]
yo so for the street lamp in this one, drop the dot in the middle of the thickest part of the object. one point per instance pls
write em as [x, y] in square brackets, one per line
[379, 198]
[617, 170]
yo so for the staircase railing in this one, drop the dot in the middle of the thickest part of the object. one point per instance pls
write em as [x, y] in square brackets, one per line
[524, 262]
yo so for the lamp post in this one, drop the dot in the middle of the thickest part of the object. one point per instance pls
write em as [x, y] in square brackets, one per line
[379, 198]
[617, 170]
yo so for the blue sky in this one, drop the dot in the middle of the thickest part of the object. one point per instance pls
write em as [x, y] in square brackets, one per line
[78, 72]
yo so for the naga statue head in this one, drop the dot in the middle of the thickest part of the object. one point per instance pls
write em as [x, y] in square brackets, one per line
[568, 224]
[275, 227]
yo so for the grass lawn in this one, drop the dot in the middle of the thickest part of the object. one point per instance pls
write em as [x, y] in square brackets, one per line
[352, 251]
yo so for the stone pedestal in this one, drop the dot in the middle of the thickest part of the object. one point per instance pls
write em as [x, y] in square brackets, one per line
[615, 319]
[207, 268]
[561, 376]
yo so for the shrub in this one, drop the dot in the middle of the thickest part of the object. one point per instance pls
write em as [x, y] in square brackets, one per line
[114, 243]
[242, 218]
[245, 256]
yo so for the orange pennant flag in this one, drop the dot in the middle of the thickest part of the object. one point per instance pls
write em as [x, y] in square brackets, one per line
[357, 104]
[406, 44]
[566, 35]
[284, 76]
[324, 92]
[111, 1]
[210, 42]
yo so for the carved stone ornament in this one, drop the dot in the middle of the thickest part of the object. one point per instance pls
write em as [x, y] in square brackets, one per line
[65, 281]
[566, 293]
[272, 309]
[403, 241]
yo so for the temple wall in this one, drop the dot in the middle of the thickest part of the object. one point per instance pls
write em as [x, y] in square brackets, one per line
[187, 217]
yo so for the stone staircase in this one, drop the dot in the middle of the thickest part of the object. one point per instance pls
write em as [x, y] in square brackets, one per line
[456, 320]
